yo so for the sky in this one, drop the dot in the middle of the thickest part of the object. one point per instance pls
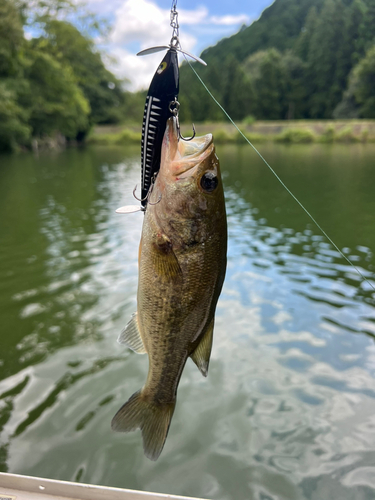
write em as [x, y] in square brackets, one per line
[139, 24]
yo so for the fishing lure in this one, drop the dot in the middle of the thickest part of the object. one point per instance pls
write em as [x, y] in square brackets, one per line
[161, 97]
[161, 103]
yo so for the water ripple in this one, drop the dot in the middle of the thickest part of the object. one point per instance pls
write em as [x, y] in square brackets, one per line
[287, 411]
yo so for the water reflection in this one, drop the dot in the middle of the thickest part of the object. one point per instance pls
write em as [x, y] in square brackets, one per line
[287, 409]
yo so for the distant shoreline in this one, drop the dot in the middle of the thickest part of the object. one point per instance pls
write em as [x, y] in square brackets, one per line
[283, 131]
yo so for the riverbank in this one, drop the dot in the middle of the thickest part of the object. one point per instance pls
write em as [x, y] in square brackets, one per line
[288, 131]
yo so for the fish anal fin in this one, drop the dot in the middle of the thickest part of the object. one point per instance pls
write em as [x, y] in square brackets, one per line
[164, 259]
[201, 354]
[131, 337]
[152, 418]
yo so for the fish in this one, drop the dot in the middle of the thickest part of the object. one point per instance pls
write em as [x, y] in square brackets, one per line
[163, 91]
[182, 265]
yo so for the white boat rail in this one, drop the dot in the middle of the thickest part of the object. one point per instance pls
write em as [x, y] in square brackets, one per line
[17, 487]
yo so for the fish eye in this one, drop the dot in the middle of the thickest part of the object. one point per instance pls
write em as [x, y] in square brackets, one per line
[209, 182]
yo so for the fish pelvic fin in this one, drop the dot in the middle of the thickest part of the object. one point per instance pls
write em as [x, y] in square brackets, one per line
[131, 336]
[201, 354]
[152, 418]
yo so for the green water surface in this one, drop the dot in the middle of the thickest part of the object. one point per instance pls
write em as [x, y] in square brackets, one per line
[288, 409]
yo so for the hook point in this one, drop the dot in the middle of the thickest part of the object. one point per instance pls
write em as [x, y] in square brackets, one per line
[187, 138]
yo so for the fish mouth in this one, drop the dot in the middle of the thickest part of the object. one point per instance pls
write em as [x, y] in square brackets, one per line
[191, 150]
[189, 154]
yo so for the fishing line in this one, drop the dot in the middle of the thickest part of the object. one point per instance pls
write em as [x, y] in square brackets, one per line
[279, 179]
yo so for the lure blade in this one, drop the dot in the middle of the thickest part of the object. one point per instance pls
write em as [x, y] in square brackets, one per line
[196, 58]
[152, 50]
[163, 91]
[128, 209]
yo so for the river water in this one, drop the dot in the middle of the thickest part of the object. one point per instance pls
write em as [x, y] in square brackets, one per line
[288, 409]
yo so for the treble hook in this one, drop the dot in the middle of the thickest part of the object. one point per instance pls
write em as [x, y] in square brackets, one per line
[151, 190]
[174, 108]
[136, 197]
[156, 202]
[148, 195]
[186, 138]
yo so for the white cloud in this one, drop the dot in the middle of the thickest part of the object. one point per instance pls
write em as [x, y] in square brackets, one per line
[193, 16]
[139, 24]
[143, 21]
[230, 20]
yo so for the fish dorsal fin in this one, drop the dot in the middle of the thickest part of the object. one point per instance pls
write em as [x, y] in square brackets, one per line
[164, 259]
[201, 354]
[131, 337]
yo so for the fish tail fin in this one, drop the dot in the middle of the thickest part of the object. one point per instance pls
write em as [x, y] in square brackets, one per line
[152, 418]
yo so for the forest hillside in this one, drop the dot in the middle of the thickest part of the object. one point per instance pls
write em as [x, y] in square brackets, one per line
[300, 59]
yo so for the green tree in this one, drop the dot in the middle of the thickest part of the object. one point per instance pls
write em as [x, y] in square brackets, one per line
[13, 127]
[11, 39]
[13, 119]
[197, 104]
[54, 101]
[366, 31]
[102, 89]
[303, 41]
[362, 84]
[56, 83]
[267, 74]
[236, 90]
[295, 93]
[328, 59]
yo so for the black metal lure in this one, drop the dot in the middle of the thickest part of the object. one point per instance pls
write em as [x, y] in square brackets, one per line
[163, 91]
[161, 104]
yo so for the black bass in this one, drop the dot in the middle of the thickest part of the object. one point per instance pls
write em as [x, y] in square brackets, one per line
[182, 263]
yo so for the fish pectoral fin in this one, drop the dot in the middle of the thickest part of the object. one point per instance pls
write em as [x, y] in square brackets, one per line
[164, 259]
[131, 337]
[201, 354]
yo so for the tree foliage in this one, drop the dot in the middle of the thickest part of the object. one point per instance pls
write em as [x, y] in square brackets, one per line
[55, 82]
[13, 124]
[279, 26]
[11, 39]
[53, 99]
[296, 59]
[359, 99]
[68, 46]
